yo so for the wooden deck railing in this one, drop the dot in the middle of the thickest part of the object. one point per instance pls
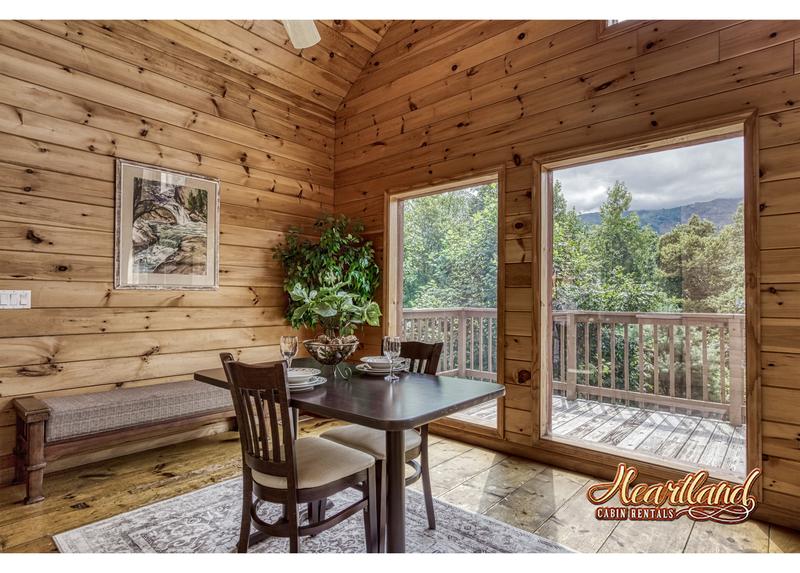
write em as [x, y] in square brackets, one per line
[690, 362]
[469, 336]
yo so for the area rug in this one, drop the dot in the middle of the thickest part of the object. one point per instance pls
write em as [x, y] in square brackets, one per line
[207, 521]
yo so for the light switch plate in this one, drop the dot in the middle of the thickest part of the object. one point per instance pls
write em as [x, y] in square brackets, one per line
[11, 299]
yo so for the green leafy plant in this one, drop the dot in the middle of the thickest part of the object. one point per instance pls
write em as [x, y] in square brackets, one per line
[333, 309]
[331, 282]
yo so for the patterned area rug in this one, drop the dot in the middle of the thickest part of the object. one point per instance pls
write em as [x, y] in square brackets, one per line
[207, 521]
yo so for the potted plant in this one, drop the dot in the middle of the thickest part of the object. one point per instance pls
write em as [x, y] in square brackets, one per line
[330, 284]
[332, 308]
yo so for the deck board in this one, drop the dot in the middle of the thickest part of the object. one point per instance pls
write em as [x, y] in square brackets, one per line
[596, 416]
[697, 442]
[602, 433]
[710, 444]
[563, 413]
[641, 433]
[718, 444]
[663, 431]
[622, 431]
[673, 445]
[735, 456]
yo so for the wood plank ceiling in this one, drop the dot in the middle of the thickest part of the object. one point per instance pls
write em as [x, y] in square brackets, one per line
[331, 66]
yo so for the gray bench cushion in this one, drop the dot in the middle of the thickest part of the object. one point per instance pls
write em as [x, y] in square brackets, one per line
[82, 414]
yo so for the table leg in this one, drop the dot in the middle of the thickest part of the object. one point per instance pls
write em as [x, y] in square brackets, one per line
[395, 492]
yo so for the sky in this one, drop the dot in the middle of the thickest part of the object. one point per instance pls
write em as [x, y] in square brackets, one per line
[660, 179]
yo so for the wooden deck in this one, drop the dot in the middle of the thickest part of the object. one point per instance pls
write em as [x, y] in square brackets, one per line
[706, 443]
[483, 414]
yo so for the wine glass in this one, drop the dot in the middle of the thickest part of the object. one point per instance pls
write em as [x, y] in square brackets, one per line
[391, 350]
[288, 349]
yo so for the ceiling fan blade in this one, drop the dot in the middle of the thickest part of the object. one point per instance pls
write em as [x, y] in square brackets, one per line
[302, 33]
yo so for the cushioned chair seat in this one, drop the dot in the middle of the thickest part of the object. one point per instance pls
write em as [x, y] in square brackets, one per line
[319, 462]
[82, 414]
[368, 440]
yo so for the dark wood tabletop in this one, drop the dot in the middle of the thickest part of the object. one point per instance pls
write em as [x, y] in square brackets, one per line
[371, 401]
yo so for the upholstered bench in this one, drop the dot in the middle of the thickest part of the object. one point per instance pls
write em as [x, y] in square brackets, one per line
[50, 428]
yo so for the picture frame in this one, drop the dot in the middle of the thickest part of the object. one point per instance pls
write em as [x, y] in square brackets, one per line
[166, 232]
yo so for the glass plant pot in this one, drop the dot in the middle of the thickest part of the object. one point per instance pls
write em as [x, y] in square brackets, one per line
[330, 354]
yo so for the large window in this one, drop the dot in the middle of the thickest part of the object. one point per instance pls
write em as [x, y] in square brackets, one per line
[644, 278]
[443, 277]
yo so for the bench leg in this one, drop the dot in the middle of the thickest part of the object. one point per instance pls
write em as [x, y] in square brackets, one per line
[34, 462]
[19, 454]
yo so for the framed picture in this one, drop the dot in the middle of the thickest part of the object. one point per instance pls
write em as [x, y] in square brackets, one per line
[167, 229]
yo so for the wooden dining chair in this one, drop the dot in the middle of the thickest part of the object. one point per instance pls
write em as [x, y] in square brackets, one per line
[424, 359]
[279, 468]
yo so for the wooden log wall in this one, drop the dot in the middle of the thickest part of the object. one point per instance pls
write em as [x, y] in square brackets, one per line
[231, 100]
[446, 100]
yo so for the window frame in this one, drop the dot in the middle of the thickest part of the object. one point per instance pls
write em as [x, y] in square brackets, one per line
[607, 30]
[717, 128]
[392, 284]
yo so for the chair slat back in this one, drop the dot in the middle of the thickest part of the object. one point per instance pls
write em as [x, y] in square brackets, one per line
[261, 401]
[424, 356]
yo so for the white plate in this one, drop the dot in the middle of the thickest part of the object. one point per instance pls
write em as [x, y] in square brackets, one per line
[300, 374]
[379, 361]
[375, 372]
[312, 382]
[366, 368]
[397, 366]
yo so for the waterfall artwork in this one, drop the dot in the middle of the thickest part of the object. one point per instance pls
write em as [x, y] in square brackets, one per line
[167, 229]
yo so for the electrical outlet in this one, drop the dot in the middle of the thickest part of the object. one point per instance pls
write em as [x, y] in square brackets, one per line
[12, 299]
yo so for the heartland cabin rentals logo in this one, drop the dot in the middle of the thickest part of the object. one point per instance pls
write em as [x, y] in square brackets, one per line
[722, 502]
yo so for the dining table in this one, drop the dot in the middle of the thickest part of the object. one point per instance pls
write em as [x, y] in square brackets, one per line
[392, 407]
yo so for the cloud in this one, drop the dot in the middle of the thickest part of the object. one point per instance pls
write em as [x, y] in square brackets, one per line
[660, 179]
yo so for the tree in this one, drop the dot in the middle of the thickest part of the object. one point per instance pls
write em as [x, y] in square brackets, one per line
[450, 249]
[619, 264]
[621, 242]
[730, 248]
[574, 270]
[610, 266]
[703, 267]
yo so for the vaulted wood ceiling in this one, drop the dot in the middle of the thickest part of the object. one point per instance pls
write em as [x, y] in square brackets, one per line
[321, 74]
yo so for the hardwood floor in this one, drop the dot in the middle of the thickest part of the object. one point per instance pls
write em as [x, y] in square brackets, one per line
[529, 495]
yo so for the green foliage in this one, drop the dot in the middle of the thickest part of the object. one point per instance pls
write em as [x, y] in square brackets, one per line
[611, 266]
[618, 264]
[621, 265]
[450, 249]
[703, 267]
[341, 261]
[614, 262]
[332, 308]
[621, 236]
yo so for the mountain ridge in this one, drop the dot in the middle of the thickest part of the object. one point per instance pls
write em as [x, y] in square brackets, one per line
[719, 211]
